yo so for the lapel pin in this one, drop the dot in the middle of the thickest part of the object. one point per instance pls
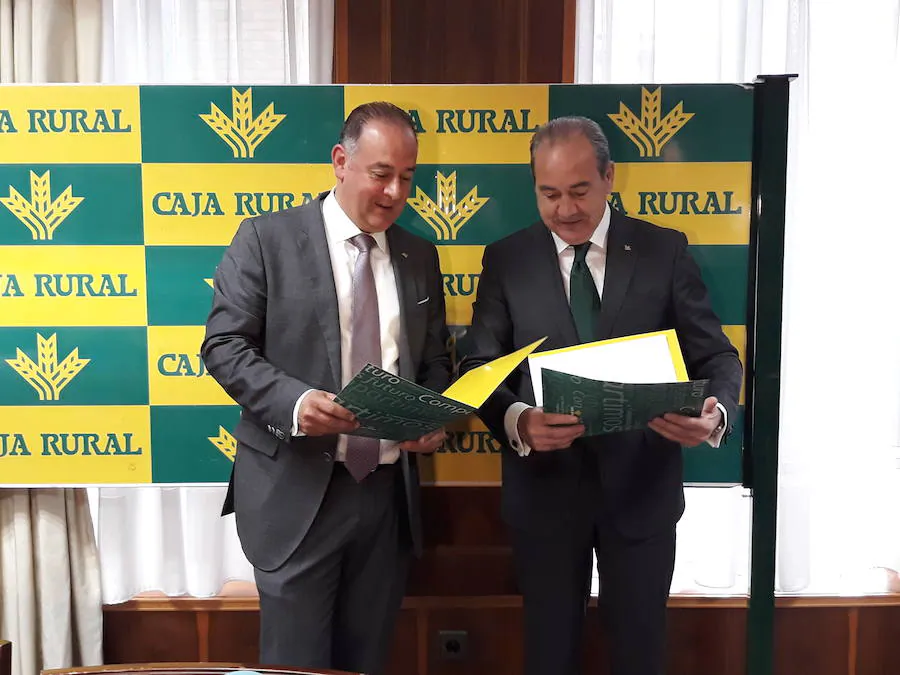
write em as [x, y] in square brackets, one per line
[404, 255]
[627, 247]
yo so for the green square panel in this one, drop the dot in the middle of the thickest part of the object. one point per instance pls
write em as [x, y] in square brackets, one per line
[70, 204]
[73, 366]
[207, 124]
[179, 284]
[665, 123]
[191, 443]
[470, 204]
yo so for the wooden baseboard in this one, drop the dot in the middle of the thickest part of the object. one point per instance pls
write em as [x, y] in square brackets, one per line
[250, 603]
[707, 635]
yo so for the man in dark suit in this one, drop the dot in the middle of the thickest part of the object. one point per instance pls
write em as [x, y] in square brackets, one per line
[304, 298]
[590, 273]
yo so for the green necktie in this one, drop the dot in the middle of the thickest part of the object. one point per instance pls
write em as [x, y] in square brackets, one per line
[584, 300]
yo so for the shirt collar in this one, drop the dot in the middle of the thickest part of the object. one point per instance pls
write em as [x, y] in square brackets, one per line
[339, 227]
[598, 238]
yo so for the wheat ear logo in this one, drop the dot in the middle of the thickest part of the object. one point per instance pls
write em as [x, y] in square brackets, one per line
[448, 216]
[649, 132]
[242, 132]
[225, 443]
[48, 376]
[42, 215]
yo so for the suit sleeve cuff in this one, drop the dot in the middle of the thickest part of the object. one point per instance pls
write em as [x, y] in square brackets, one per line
[295, 425]
[511, 426]
[715, 440]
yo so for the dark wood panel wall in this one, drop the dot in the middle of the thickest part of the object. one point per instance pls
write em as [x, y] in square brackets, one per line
[856, 636]
[454, 41]
[5, 658]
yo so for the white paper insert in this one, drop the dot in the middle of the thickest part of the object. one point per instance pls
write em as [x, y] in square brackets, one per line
[644, 360]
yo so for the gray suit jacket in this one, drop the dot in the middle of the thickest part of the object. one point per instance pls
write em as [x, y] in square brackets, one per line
[272, 334]
[652, 283]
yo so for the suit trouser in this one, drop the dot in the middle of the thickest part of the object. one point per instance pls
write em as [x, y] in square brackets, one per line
[553, 568]
[335, 601]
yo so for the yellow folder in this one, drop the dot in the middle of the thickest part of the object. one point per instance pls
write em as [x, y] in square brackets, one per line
[474, 387]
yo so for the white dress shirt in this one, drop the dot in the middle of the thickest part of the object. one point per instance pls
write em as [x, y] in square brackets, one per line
[596, 262]
[339, 230]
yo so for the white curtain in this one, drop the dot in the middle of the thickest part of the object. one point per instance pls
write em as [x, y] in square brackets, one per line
[50, 602]
[49, 579]
[172, 540]
[49, 40]
[218, 41]
[839, 464]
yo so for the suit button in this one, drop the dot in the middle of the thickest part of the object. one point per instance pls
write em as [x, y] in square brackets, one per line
[327, 456]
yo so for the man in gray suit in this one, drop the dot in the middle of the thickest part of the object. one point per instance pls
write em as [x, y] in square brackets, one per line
[303, 299]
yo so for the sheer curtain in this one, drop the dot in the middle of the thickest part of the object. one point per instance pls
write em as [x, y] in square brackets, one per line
[50, 605]
[839, 470]
[163, 539]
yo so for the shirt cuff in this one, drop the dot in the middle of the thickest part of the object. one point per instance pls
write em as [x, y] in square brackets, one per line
[511, 426]
[295, 425]
[716, 438]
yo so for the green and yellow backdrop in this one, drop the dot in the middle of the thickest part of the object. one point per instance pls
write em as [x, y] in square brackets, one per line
[116, 204]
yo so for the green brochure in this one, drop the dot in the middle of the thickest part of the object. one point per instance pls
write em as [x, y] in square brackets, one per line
[395, 409]
[609, 407]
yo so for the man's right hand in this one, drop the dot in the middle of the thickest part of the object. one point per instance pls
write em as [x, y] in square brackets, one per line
[542, 431]
[319, 415]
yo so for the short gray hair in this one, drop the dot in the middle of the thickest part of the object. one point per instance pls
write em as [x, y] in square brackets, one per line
[562, 128]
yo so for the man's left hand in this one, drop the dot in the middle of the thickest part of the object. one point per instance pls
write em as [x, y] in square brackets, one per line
[427, 443]
[689, 431]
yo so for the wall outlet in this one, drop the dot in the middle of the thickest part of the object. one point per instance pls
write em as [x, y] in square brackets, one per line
[453, 645]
